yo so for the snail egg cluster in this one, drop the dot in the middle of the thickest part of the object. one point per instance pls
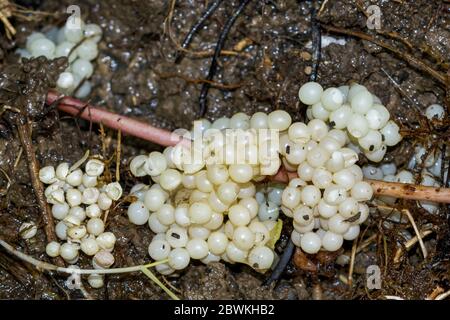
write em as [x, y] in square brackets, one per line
[356, 111]
[430, 175]
[79, 200]
[326, 201]
[77, 41]
[211, 211]
[207, 210]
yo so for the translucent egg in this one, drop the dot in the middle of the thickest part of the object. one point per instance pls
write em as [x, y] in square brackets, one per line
[261, 258]
[235, 254]
[317, 157]
[310, 195]
[155, 225]
[177, 236]
[344, 178]
[279, 119]
[326, 210]
[362, 102]
[352, 233]
[239, 215]
[391, 133]
[259, 120]
[332, 241]
[73, 30]
[358, 126]
[337, 224]
[84, 90]
[197, 248]
[137, 213]
[372, 172]
[64, 48]
[268, 211]
[318, 129]
[87, 50]
[42, 47]
[221, 123]
[377, 155]
[83, 68]
[93, 32]
[179, 258]
[435, 111]
[362, 191]
[340, 118]
[332, 99]
[374, 119]
[388, 168]
[240, 121]
[371, 141]
[310, 93]
[299, 133]
[243, 238]
[217, 242]
[319, 112]
[310, 243]
[33, 37]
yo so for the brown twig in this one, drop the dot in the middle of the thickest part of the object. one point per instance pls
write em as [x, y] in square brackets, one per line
[410, 191]
[409, 244]
[24, 130]
[127, 125]
[393, 189]
[416, 230]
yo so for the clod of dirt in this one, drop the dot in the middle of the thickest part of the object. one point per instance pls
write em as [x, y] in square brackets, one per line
[24, 86]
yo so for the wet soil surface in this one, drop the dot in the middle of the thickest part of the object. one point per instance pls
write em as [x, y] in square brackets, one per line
[270, 46]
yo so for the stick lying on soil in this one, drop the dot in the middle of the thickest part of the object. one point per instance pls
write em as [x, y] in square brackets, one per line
[393, 189]
[24, 130]
[165, 138]
[115, 121]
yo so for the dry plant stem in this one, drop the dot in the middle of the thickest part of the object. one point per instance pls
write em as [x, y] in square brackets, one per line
[33, 168]
[410, 191]
[442, 296]
[416, 230]
[409, 244]
[437, 291]
[393, 298]
[366, 243]
[127, 125]
[149, 274]
[352, 264]
[393, 189]
[413, 61]
[165, 138]
[42, 265]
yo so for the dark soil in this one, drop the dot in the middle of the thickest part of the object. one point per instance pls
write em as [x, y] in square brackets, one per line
[136, 75]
